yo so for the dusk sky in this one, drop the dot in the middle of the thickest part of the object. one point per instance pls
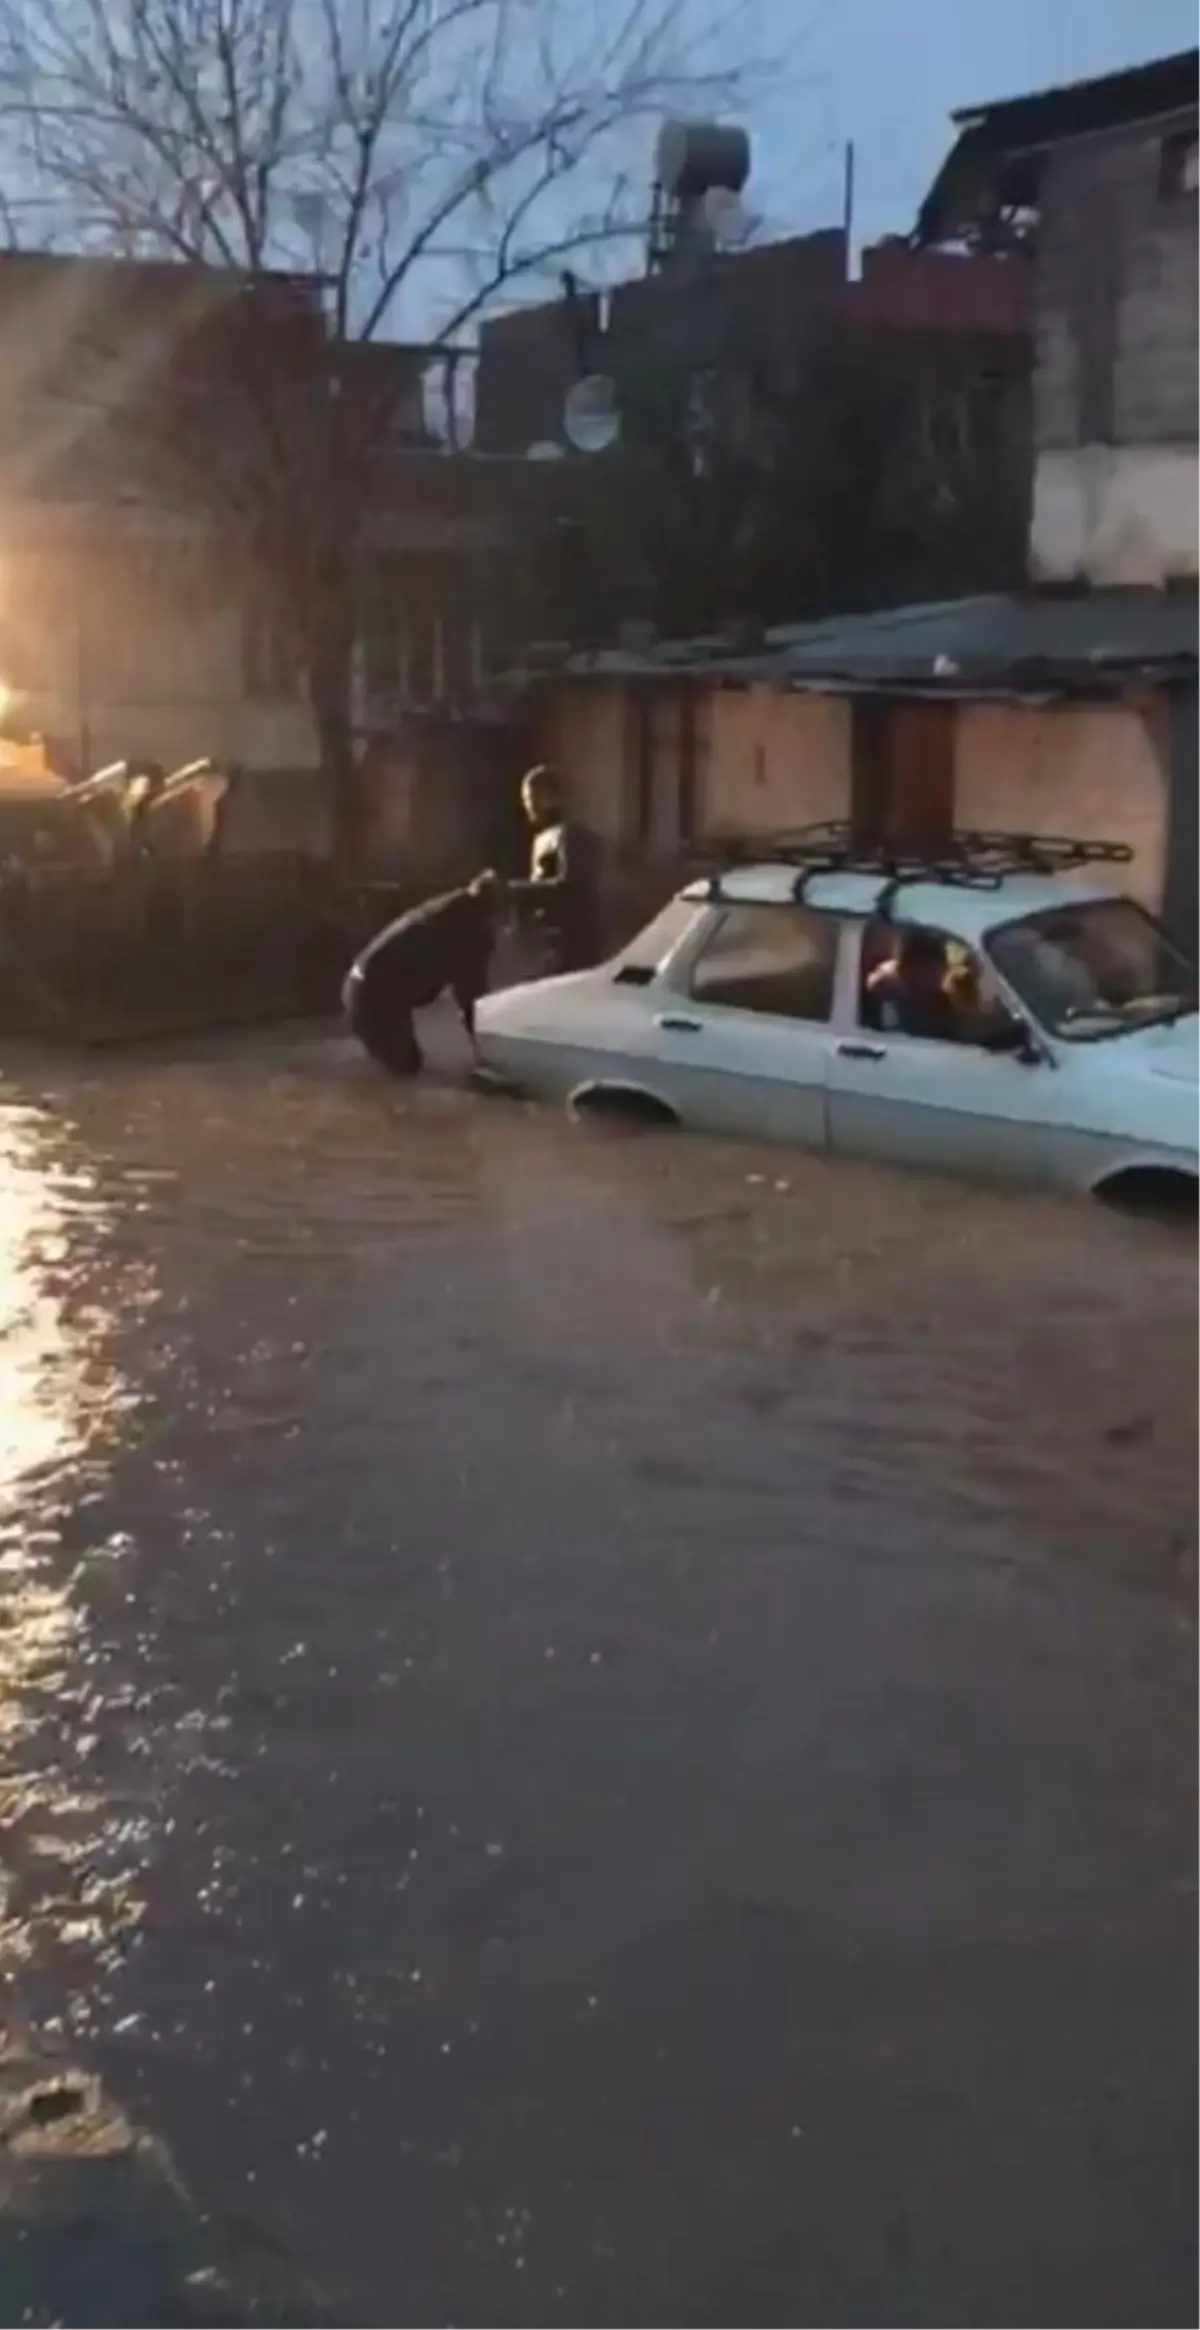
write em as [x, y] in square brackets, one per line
[888, 73]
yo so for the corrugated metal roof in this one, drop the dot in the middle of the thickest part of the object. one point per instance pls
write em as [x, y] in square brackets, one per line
[1102, 100]
[987, 645]
[997, 635]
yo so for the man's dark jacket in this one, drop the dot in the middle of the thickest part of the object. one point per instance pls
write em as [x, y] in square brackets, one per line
[447, 942]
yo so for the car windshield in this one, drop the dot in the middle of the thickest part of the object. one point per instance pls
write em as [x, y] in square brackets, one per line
[1095, 969]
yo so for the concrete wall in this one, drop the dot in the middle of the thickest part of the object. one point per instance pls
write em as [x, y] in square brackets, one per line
[124, 634]
[1115, 367]
[278, 809]
[1122, 514]
[585, 731]
[135, 632]
[1092, 771]
[1116, 314]
[770, 296]
[173, 728]
[764, 759]
[776, 760]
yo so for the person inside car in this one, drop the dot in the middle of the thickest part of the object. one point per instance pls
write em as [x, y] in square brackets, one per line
[445, 943]
[917, 992]
[907, 994]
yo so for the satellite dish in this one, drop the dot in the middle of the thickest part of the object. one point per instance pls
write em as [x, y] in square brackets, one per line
[726, 217]
[544, 449]
[590, 417]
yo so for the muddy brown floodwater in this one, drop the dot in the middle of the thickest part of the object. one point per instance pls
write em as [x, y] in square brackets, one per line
[596, 1729]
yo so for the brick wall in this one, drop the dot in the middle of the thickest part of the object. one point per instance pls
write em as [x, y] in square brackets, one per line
[941, 291]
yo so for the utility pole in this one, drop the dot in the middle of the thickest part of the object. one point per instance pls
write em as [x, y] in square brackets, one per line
[848, 195]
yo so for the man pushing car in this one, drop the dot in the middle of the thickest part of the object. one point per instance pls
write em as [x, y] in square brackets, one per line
[444, 944]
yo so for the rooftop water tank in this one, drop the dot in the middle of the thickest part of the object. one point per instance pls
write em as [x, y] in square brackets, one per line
[692, 156]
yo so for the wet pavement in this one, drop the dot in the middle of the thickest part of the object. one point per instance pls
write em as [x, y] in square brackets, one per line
[596, 1728]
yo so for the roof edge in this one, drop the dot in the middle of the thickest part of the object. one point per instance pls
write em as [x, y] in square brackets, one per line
[1179, 61]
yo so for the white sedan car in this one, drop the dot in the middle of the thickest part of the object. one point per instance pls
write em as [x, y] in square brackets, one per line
[748, 1006]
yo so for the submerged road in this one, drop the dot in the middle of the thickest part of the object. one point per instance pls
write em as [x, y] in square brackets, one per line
[596, 1729]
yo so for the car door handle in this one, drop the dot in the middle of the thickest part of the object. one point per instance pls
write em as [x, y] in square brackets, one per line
[676, 1026]
[861, 1052]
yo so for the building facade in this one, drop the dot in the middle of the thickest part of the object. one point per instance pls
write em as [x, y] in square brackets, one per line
[793, 434]
[1068, 705]
[999, 713]
[768, 759]
[1098, 184]
[138, 613]
[957, 325]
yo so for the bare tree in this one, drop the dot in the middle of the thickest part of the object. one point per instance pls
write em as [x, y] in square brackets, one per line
[417, 157]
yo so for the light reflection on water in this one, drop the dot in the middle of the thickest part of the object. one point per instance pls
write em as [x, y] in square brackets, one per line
[71, 1852]
[41, 1420]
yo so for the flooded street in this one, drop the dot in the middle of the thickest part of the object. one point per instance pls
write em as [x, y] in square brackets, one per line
[597, 1729]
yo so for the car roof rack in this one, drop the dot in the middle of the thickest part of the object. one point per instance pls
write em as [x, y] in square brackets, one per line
[972, 858]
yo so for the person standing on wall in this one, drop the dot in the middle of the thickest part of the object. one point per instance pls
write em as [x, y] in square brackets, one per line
[561, 895]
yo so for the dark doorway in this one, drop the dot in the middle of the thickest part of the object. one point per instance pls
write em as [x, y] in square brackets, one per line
[902, 794]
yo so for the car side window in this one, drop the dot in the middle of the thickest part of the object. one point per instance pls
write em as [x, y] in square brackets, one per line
[957, 1000]
[775, 959]
[642, 959]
